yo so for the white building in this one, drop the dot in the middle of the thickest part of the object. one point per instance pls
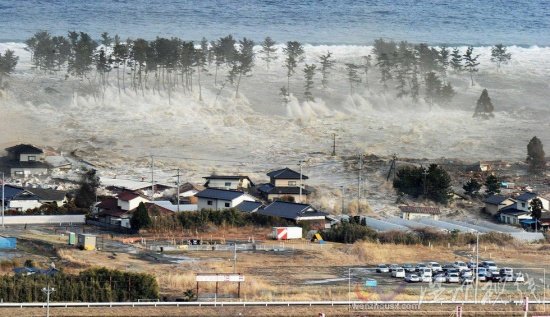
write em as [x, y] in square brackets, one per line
[233, 182]
[523, 201]
[219, 199]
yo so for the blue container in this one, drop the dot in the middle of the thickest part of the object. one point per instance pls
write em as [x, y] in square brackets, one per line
[8, 243]
[371, 283]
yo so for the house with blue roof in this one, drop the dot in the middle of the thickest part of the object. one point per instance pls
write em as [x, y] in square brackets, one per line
[219, 199]
[295, 212]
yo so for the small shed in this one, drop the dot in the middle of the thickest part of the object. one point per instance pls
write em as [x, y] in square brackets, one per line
[86, 242]
[417, 212]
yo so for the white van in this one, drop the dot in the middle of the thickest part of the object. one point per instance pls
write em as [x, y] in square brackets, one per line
[398, 272]
[425, 272]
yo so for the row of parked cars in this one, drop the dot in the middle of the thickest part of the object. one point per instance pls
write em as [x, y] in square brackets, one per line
[457, 272]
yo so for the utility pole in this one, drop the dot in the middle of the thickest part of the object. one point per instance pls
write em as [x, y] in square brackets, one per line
[477, 265]
[425, 173]
[359, 177]
[235, 257]
[152, 177]
[48, 290]
[3, 200]
[343, 195]
[178, 190]
[301, 201]
[334, 144]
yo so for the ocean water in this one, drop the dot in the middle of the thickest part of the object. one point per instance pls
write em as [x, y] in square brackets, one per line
[359, 22]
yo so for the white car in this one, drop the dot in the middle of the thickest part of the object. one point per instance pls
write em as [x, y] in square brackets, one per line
[518, 278]
[466, 273]
[482, 270]
[506, 271]
[412, 278]
[398, 272]
[382, 268]
[436, 267]
[507, 278]
[453, 278]
[481, 277]
[461, 266]
[439, 278]
[489, 265]
[426, 278]
[425, 272]
[466, 280]
[420, 266]
[392, 267]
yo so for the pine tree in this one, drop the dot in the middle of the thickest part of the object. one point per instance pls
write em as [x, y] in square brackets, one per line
[7, 64]
[294, 52]
[327, 63]
[536, 156]
[384, 64]
[284, 95]
[140, 219]
[499, 55]
[484, 107]
[456, 60]
[86, 194]
[443, 58]
[472, 187]
[268, 51]
[243, 61]
[470, 62]
[446, 93]
[106, 40]
[415, 84]
[492, 185]
[309, 72]
[433, 87]
[353, 76]
[536, 210]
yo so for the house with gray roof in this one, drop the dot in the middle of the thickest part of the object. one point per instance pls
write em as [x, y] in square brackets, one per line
[249, 206]
[295, 212]
[21, 199]
[219, 199]
[285, 184]
[24, 160]
[495, 203]
[523, 201]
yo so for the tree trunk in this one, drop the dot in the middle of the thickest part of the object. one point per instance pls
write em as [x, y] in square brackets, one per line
[238, 84]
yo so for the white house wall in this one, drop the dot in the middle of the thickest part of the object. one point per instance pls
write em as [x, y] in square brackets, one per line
[23, 204]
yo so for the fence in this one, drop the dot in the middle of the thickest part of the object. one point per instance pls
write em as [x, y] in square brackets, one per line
[46, 219]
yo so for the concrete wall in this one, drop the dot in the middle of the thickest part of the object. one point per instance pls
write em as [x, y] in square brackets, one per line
[52, 219]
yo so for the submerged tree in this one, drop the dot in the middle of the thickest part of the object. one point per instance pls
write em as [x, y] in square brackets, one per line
[268, 51]
[366, 66]
[294, 52]
[499, 55]
[470, 62]
[327, 63]
[536, 156]
[242, 62]
[492, 185]
[8, 61]
[309, 72]
[484, 107]
[472, 187]
[86, 194]
[353, 76]
[384, 65]
[456, 60]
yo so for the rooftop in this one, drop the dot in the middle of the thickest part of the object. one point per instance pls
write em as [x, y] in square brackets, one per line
[249, 206]
[495, 199]
[270, 189]
[47, 193]
[221, 194]
[527, 196]
[24, 149]
[290, 210]
[286, 173]
[421, 210]
[127, 196]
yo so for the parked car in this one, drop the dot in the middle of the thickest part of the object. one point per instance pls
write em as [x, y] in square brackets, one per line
[412, 278]
[506, 271]
[482, 270]
[466, 280]
[425, 272]
[420, 266]
[409, 268]
[426, 278]
[439, 278]
[447, 267]
[392, 267]
[382, 268]
[481, 277]
[518, 278]
[461, 266]
[398, 272]
[495, 276]
[507, 278]
[436, 267]
[472, 265]
[466, 273]
[453, 278]
[489, 265]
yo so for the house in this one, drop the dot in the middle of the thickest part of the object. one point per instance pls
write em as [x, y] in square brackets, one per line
[24, 160]
[249, 206]
[188, 192]
[295, 212]
[219, 199]
[166, 204]
[523, 201]
[49, 196]
[285, 184]
[234, 182]
[513, 216]
[21, 199]
[494, 203]
[118, 210]
[417, 212]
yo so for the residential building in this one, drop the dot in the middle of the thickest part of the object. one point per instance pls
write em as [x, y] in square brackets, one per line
[219, 199]
[118, 210]
[21, 199]
[24, 160]
[513, 216]
[188, 192]
[295, 212]
[417, 212]
[233, 182]
[285, 184]
[249, 206]
[523, 201]
[494, 203]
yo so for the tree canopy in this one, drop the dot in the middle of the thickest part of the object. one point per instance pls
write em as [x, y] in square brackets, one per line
[484, 106]
[433, 183]
[536, 156]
